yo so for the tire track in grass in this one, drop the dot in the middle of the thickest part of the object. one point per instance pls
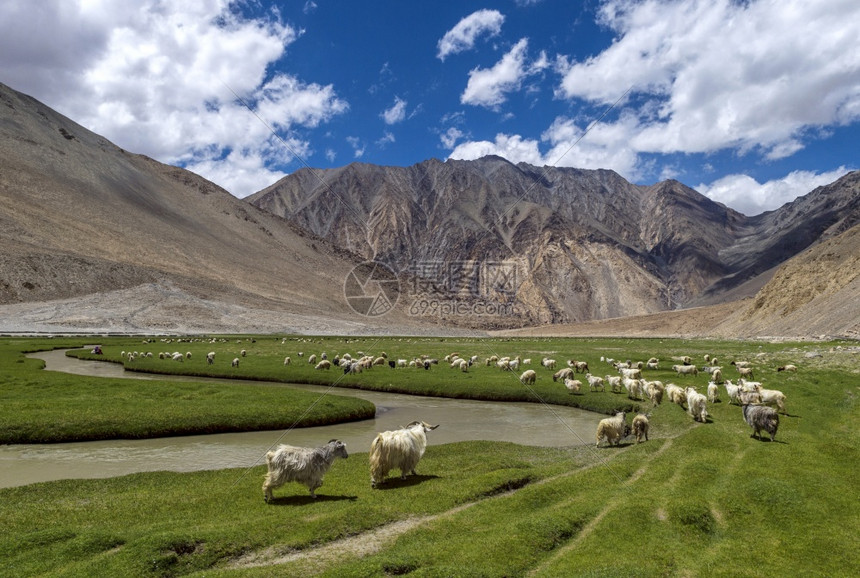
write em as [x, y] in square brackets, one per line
[319, 559]
[610, 505]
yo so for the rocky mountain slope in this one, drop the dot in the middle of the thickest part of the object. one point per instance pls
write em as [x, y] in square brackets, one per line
[579, 244]
[95, 238]
[82, 217]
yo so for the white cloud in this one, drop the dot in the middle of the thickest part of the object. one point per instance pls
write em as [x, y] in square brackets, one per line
[357, 145]
[386, 139]
[396, 113]
[604, 147]
[746, 195]
[157, 78]
[450, 137]
[463, 35]
[716, 74]
[488, 86]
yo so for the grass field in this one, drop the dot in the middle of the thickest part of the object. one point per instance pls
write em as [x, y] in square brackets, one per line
[695, 500]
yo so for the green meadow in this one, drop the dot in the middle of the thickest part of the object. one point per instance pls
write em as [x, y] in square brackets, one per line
[697, 499]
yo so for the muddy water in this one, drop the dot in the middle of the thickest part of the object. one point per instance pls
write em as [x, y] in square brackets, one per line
[460, 420]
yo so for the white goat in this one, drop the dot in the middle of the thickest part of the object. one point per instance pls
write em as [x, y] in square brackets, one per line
[595, 382]
[640, 427]
[697, 405]
[685, 369]
[713, 392]
[399, 449]
[304, 465]
[529, 376]
[562, 374]
[573, 385]
[611, 428]
[733, 391]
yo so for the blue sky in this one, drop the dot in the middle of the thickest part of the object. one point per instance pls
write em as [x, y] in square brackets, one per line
[752, 103]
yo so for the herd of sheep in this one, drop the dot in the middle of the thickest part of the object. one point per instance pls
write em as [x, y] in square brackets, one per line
[401, 449]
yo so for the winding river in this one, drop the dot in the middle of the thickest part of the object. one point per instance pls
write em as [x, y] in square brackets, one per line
[460, 420]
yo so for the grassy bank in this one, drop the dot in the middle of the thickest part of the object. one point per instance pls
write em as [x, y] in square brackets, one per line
[695, 500]
[44, 407]
[264, 360]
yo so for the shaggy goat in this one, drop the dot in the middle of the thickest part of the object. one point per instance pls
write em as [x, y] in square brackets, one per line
[761, 417]
[529, 376]
[304, 465]
[686, 369]
[612, 428]
[399, 449]
[697, 405]
[562, 374]
[573, 385]
[640, 427]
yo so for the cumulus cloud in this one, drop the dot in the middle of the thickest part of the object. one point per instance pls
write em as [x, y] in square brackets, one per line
[162, 79]
[450, 137]
[488, 86]
[396, 113]
[715, 74]
[463, 35]
[746, 195]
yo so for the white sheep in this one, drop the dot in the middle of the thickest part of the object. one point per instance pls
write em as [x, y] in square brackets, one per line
[178, 357]
[788, 367]
[399, 449]
[324, 364]
[210, 358]
[640, 427]
[717, 375]
[573, 385]
[243, 353]
[697, 405]
[464, 366]
[611, 428]
[312, 360]
[287, 360]
[304, 465]
[548, 363]
[528, 377]
[235, 362]
[631, 372]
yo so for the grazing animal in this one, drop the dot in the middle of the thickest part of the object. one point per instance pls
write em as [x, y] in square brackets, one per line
[614, 382]
[562, 374]
[304, 465]
[746, 372]
[324, 364]
[243, 353]
[788, 367]
[717, 375]
[235, 362]
[676, 394]
[399, 449]
[573, 385]
[733, 391]
[713, 392]
[312, 359]
[288, 361]
[761, 417]
[529, 376]
[697, 405]
[686, 369]
[612, 428]
[640, 427]
[595, 383]
[210, 358]
[654, 390]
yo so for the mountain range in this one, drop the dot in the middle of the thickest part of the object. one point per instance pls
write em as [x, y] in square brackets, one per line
[96, 238]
